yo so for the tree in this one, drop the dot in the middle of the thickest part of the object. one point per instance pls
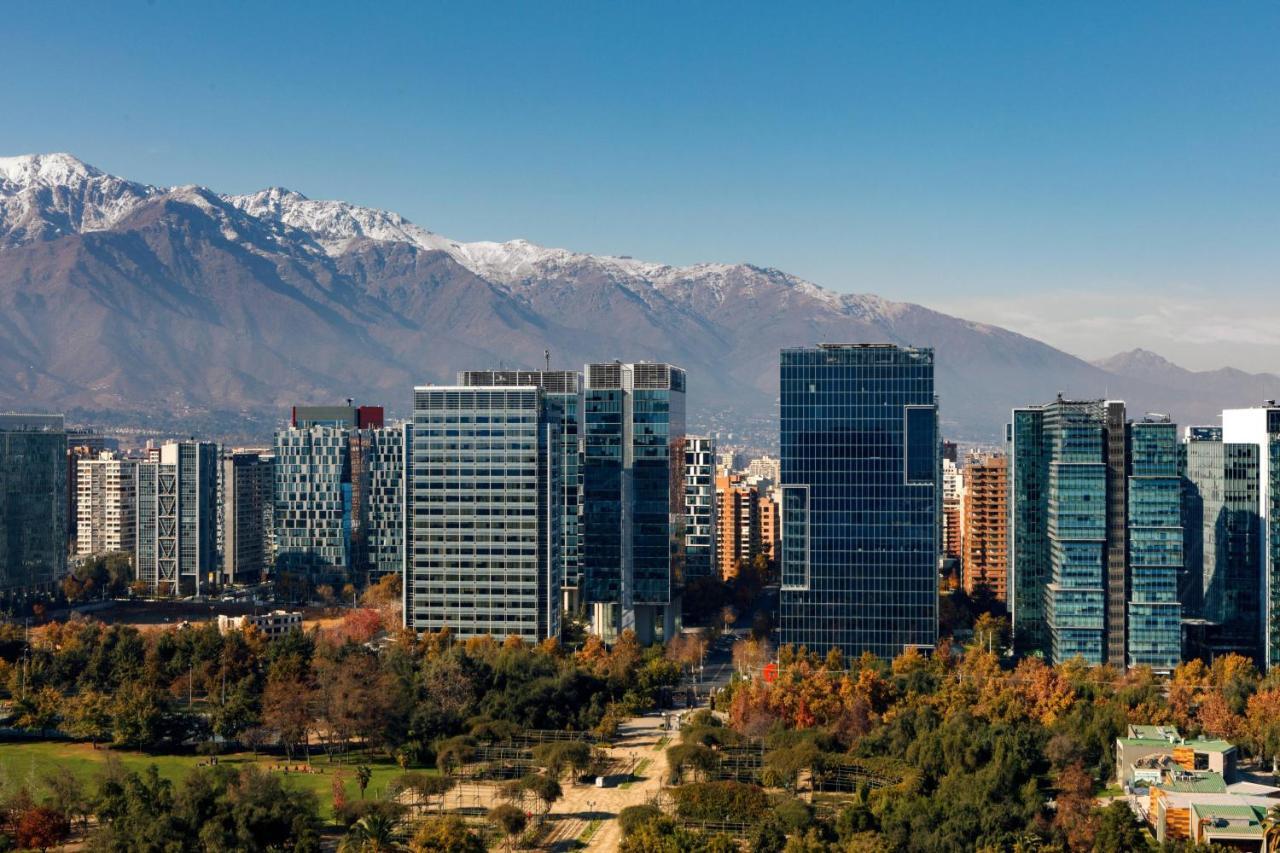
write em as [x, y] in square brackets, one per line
[88, 716]
[287, 708]
[509, 820]
[364, 773]
[1119, 831]
[1074, 817]
[1271, 834]
[445, 835]
[373, 833]
[40, 827]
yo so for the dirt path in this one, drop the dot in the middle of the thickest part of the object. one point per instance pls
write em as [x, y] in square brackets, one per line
[635, 746]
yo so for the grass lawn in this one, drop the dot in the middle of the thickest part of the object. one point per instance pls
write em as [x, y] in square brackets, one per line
[29, 760]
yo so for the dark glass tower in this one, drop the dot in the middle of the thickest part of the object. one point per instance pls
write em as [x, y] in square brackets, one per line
[33, 502]
[1155, 536]
[861, 490]
[633, 497]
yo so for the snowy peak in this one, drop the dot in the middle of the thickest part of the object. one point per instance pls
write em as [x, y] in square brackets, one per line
[46, 169]
[43, 196]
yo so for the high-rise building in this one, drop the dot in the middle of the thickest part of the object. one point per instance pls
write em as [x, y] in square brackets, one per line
[485, 500]
[985, 533]
[770, 524]
[177, 538]
[1220, 589]
[313, 506]
[1154, 618]
[1062, 521]
[699, 507]
[106, 504]
[384, 510]
[633, 512]
[248, 484]
[1096, 533]
[738, 526]
[562, 390]
[861, 494]
[1260, 428]
[33, 502]
[952, 497]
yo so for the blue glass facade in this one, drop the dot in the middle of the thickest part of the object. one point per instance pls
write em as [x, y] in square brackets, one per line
[861, 492]
[1029, 545]
[632, 530]
[33, 501]
[1063, 528]
[1155, 546]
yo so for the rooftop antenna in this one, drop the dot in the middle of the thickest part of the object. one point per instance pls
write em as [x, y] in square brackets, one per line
[546, 354]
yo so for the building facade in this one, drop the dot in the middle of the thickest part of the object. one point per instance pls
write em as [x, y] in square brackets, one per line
[1260, 429]
[952, 506]
[248, 482]
[1220, 589]
[312, 497]
[562, 394]
[1155, 538]
[33, 502]
[485, 501]
[861, 497]
[632, 490]
[384, 521]
[177, 533]
[985, 533]
[700, 507]
[737, 523]
[106, 505]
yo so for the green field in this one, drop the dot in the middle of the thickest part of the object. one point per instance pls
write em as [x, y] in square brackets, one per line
[27, 762]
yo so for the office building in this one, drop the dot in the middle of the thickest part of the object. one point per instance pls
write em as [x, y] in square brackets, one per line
[1154, 618]
[633, 513]
[861, 496]
[248, 483]
[337, 417]
[106, 504]
[33, 503]
[1065, 522]
[1221, 589]
[985, 535]
[177, 542]
[699, 507]
[562, 391]
[1260, 429]
[485, 500]
[383, 524]
[312, 496]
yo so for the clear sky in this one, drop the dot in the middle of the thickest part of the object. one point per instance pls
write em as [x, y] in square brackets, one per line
[1099, 175]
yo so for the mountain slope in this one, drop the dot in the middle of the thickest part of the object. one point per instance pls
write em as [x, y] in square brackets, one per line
[180, 306]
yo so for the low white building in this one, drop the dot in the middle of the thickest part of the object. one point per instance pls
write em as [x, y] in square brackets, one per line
[275, 624]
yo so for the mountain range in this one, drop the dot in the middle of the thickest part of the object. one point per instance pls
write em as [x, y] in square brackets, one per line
[180, 308]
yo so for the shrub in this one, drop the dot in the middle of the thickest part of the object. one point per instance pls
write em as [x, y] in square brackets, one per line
[720, 801]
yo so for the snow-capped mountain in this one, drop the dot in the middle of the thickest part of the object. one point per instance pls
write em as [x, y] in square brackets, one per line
[180, 303]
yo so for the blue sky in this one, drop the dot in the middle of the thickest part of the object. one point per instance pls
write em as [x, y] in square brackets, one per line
[1098, 175]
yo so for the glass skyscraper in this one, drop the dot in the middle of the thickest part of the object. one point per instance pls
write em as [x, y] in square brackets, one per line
[485, 501]
[1155, 546]
[33, 502]
[861, 491]
[177, 537]
[1068, 526]
[633, 497]
[1260, 428]
[1221, 587]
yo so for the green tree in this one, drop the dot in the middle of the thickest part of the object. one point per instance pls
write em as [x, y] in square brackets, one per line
[509, 820]
[445, 835]
[373, 833]
[1119, 830]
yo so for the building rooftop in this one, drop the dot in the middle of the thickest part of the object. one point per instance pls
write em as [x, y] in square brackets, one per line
[1222, 820]
[1195, 783]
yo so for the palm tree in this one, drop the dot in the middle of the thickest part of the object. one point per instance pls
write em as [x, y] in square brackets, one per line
[1271, 834]
[373, 833]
